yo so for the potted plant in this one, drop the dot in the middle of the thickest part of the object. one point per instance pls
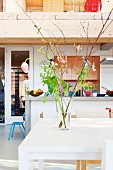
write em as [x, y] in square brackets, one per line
[87, 88]
[94, 90]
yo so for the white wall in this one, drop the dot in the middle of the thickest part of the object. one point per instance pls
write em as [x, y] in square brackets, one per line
[106, 72]
[106, 77]
[107, 5]
[11, 5]
[15, 25]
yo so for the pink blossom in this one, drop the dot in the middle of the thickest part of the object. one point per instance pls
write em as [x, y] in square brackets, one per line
[64, 61]
[56, 64]
[24, 67]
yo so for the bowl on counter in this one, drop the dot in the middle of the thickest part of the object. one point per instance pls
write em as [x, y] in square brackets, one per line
[35, 93]
[109, 93]
[101, 95]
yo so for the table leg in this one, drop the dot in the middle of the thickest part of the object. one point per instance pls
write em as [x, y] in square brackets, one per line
[77, 164]
[25, 164]
[40, 164]
[83, 165]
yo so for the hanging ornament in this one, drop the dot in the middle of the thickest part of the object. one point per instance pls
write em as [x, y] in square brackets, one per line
[93, 5]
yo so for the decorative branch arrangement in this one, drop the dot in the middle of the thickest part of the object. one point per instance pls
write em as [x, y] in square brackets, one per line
[52, 77]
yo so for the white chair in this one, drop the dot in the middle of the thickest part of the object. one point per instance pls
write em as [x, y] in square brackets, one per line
[102, 113]
[107, 155]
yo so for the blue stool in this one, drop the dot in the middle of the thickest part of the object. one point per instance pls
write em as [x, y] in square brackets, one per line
[12, 127]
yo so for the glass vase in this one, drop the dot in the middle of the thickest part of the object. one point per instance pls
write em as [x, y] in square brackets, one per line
[64, 121]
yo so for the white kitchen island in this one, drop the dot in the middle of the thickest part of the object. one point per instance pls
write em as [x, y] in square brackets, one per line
[34, 106]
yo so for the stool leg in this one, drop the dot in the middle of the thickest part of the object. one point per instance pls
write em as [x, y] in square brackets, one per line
[23, 127]
[10, 132]
[21, 131]
[40, 164]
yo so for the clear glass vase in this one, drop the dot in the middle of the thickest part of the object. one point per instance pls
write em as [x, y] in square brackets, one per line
[64, 114]
[64, 121]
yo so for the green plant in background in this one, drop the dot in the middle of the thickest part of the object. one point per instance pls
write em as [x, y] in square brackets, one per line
[94, 87]
[87, 86]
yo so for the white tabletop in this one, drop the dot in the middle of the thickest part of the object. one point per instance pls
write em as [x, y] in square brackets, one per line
[83, 135]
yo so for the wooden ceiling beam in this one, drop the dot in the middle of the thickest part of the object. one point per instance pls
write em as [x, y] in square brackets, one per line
[38, 41]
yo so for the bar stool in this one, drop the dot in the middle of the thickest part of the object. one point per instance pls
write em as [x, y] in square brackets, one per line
[21, 127]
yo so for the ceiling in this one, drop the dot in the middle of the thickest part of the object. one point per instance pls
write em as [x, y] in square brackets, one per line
[59, 41]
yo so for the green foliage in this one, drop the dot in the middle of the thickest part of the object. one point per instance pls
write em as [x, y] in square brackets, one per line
[82, 77]
[50, 77]
[87, 86]
[94, 87]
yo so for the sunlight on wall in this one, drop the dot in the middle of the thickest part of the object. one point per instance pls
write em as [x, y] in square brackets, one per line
[107, 5]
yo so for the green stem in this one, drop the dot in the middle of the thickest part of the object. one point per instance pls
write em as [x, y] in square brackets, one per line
[34, 60]
[62, 114]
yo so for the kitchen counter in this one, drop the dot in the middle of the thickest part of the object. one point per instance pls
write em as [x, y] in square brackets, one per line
[106, 98]
[34, 106]
[41, 98]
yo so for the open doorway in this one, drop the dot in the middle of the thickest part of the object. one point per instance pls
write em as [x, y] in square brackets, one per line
[18, 82]
[14, 81]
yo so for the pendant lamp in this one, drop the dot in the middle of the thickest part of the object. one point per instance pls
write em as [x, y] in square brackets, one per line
[93, 5]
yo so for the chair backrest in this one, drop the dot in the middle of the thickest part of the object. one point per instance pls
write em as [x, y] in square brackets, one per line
[92, 113]
[107, 155]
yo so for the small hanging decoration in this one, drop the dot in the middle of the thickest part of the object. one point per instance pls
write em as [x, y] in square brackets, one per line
[93, 5]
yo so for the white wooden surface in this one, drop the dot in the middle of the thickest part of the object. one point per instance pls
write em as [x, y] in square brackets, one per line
[107, 155]
[92, 113]
[83, 141]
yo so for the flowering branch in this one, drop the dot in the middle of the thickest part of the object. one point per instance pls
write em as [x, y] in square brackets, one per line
[51, 77]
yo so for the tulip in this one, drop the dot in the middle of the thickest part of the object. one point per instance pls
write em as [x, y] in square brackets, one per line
[24, 67]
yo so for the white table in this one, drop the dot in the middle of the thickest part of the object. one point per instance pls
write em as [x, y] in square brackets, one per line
[84, 141]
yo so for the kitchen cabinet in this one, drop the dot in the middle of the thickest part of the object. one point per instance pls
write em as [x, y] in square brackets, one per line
[74, 64]
[67, 72]
[94, 75]
[65, 68]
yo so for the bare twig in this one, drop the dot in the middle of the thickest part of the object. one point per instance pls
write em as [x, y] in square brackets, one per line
[102, 18]
[61, 32]
[100, 33]
[74, 90]
[107, 26]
